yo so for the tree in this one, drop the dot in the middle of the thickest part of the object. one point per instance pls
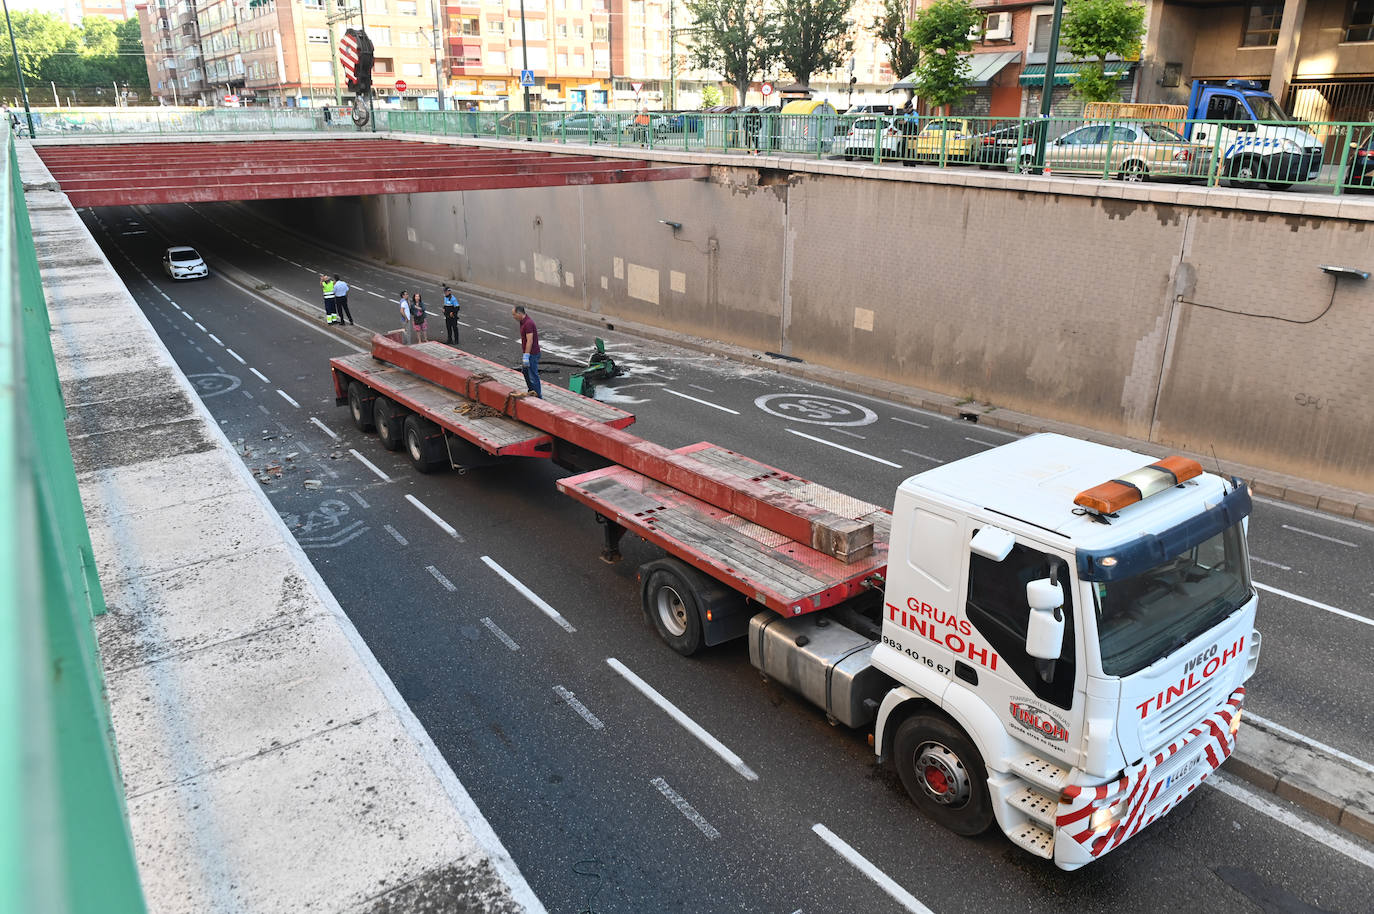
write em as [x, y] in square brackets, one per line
[710, 96]
[891, 29]
[812, 36]
[1094, 29]
[732, 37]
[939, 33]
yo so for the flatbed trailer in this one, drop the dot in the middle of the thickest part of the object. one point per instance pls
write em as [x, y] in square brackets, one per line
[1060, 646]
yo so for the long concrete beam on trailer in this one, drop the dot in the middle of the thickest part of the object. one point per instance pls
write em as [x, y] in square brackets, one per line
[841, 537]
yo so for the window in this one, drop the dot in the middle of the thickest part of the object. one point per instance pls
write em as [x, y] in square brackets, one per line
[998, 610]
[412, 69]
[383, 65]
[579, 61]
[377, 7]
[317, 36]
[579, 30]
[1223, 108]
[493, 87]
[1262, 25]
[406, 8]
[535, 29]
[1124, 135]
[562, 30]
[468, 27]
[321, 69]
[562, 61]
[407, 38]
[314, 4]
[1041, 43]
[1360, 22]
[599, 32]
[496, 60]
[601, 59]
[539, 58]
[496, 26]
[380, 37]
[471, 56]
[1083, 136]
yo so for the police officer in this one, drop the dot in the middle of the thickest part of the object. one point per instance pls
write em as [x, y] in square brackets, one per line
[451, 307]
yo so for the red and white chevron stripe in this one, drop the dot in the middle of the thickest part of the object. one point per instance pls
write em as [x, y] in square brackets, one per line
[348, 54]
[1140, 788]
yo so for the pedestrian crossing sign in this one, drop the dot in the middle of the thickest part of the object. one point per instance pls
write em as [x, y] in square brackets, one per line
[526, 77]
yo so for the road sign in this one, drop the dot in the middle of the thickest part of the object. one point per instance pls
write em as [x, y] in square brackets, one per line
[526, 77]
[231, 100]
[766, 89]
[400, 85]
[636, 87]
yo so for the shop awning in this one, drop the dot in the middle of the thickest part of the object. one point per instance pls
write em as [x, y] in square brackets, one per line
[982, 68]
[1034, 73]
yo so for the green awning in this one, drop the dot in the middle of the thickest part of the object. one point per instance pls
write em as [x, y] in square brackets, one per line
[1033, 74]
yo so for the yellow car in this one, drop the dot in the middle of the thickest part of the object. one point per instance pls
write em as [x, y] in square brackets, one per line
[948, 137]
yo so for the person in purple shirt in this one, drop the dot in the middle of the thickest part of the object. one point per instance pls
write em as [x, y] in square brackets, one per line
[529, 350]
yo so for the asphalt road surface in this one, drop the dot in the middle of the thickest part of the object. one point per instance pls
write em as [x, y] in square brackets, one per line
[622, 777]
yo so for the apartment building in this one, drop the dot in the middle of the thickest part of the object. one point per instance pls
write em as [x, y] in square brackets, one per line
[171, 50]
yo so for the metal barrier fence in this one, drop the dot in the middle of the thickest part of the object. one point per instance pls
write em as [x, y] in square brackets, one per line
[64, 837]
[1330, 156]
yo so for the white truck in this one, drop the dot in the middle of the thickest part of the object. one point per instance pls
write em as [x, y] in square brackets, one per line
[1052, 635]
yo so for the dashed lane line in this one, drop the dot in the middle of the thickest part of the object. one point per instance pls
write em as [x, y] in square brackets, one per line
[908, 422]
[259, 375]
[1320, 536]
[724, 409]
[324, 428]
[696, 818]
[396, 534]
[287, 397]
[443, 581]
[501, 636]
[236, 356]
[370, 465]
[922, 456]
[865, 866]
[530, 595]
[579, 707]
[1315, 604]
[676, 713]
[847, 450]
[438, 521]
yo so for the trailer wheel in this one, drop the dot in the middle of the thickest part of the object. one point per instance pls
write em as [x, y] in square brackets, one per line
[423, 439]
[360, 398]
[670, 599]
[944, 774]
[388, 418]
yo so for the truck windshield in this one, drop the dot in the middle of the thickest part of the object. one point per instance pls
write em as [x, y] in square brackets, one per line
[1266, 109]
[1144, 618]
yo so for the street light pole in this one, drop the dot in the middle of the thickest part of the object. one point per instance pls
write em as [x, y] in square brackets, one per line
[1047, 91]
[524, 54]
[672, 55]
[434, 24]
[19, 71]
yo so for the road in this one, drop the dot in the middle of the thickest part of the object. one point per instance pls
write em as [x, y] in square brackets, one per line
[533, 670]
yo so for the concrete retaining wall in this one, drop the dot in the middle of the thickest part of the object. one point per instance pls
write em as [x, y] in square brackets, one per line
[1197, 319]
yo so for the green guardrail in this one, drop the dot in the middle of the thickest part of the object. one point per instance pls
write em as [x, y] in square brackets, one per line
[64, 836]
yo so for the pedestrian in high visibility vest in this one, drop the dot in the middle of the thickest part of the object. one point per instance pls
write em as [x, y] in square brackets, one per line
[327, 287]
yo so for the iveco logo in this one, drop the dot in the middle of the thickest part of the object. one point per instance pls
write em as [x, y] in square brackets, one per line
[1200, 659]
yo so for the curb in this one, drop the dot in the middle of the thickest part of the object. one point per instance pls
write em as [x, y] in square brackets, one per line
[1321, 782]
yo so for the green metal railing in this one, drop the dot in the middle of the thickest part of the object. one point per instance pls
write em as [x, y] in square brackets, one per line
[64, 837]
[1329, 156]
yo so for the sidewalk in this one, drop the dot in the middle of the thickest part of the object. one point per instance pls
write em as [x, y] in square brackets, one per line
[269, 763]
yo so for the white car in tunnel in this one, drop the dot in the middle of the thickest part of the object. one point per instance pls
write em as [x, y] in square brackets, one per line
[184, 262]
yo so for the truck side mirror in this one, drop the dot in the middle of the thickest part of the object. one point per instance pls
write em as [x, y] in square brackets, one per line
[1045, 627]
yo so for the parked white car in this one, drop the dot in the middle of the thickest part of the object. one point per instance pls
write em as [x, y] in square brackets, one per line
[184, 262]
[858, 142]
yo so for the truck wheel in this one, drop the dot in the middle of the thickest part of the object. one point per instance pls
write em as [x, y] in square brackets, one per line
[943, 773]
[388, 418]
[360, 400]
[670, 600]
[1135, 172]
[422, 439]
[1244, 172]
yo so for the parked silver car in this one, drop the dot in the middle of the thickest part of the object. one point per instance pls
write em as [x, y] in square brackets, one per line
[1129, 150]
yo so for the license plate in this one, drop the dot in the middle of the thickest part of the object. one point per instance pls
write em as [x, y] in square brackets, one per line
[1182, 774]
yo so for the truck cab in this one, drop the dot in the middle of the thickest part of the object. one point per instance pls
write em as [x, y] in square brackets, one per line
[1069, 627]
[1255, 140]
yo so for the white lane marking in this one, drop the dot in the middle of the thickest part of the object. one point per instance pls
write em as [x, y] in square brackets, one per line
[217, 339]
[259, 375]
[976, 441]
[368, 291]
[1313, 603]
[849, 433]
[999, 431]
[579, 707]
[265, 410]
[1311, 513]
[439, 521]
[908, 422]
[287, 397]
[499, 336]
[168, 297]
[700, 388]
[1255, 558]
[247, 394]
[370, 465]
[529, 595]
[501, 636]
[235, 355]
[1318, 833]
[324, 428]
[865, 866]
[396, 534]
[724, 409]
[439, 576]
[847, 450]
[1316, 744]
[922, 456]
[362, 502]
[200, 326]
[1320, 536]
[691, 726]
[686, 809]
[187, 315]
